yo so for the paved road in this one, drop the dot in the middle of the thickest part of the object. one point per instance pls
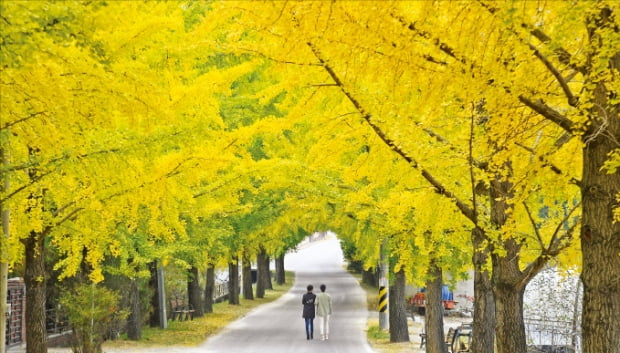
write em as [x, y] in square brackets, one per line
[278, 327]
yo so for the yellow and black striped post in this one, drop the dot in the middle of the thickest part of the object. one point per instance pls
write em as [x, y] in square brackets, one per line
[383, 299]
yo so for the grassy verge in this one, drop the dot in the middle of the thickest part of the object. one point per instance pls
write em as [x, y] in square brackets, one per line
[194, 332]
[379, 339]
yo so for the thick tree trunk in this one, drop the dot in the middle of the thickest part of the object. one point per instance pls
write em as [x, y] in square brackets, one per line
[399, 331]
[193, 292]
[600, 235]
[246, 275]
[154, 318]
[134, 321]
[508, 293]
[34, 278]
[261, 282]
[233, 282]
[483, 332]
[209, 289]
[508, 281]
[433, 323]
[280, 271]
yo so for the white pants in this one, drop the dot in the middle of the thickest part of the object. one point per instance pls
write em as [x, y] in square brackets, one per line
[324, 322]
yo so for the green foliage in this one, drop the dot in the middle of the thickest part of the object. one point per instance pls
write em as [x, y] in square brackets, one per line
[376, 333]
[92, 311]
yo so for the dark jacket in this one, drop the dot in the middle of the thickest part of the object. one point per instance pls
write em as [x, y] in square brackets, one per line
[308, 300]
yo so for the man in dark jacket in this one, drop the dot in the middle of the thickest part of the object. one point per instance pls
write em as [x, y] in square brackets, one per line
[308, 301]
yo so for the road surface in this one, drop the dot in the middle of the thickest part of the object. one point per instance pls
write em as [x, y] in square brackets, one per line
[278, 327]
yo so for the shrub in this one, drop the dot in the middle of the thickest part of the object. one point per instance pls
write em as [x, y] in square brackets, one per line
[92, 311]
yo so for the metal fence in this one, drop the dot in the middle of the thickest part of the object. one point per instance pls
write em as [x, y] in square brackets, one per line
[548, 336]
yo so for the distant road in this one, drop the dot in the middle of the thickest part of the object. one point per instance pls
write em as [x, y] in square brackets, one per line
[278, 327]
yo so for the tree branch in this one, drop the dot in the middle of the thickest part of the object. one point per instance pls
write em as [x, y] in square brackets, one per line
[437, 186]
[572, 100]
[26, 118]
[538, 106]
[547, 112]
[556, 245]
[547, 163]
[563, 55]
[536, 230]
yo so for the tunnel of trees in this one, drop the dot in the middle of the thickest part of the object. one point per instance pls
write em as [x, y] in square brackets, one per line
[476, 135]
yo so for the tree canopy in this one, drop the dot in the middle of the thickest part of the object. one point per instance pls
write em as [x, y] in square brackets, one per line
[195, 130]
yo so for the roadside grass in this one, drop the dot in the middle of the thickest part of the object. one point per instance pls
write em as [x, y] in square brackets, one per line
[194, 332]
[379, 339]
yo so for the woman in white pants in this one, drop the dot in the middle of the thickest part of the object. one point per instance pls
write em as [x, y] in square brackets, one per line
[323, 311]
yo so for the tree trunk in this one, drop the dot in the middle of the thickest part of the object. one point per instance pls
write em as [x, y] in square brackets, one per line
[483, 331]
[246, 275]
[399, 330]
[268, 284]
[600, 234]
[134, 321]
[209, 289]
[261, 282]
[433, 323]
[370, 277]
[154, 318]
[508, 281]
[600, 243]
[509, 325]
[193, 292]
[34, 278]
[233, 282]
[280, 271]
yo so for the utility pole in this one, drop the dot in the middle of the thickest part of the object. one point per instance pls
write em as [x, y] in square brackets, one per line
[384, 322]
[163, 320]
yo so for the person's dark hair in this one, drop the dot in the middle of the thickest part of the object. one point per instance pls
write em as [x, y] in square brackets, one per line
[310, 287]
[323, 288]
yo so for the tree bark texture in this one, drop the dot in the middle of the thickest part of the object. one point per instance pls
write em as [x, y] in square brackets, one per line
[246, 275]
[209, 289]
[261, 282]
[134, 321]
[507, 280]
[193, 292]
[280, 271]
[34, 278]
[433, 322]
[508, 293]
[233, 282]
[399, 331]
[600, 235]
[483, 332]
[267, 278]
[154, 318]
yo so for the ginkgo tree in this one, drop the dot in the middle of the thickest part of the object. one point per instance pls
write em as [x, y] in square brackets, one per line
[100, 122]
[377, 120]
[411, 57]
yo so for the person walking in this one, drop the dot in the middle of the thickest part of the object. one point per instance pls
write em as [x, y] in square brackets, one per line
[324, 310]
[309, 301]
